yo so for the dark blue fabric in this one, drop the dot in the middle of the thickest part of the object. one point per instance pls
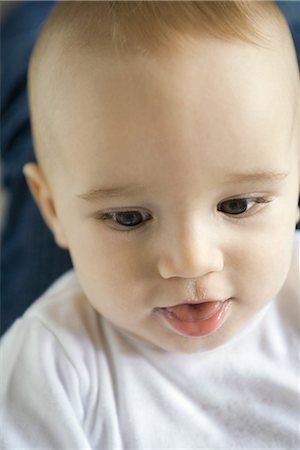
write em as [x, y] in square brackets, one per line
[30, 260]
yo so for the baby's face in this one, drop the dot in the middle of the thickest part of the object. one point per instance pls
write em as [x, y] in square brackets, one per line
[179, 183]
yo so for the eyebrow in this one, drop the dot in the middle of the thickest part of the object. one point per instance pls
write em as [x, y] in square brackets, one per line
[260, 176]
[109, 192]
[118, 191]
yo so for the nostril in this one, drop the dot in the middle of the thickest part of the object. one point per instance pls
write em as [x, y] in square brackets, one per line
[193, 264]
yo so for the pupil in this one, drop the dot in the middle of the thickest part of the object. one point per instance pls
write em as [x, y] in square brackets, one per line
[235, 206]
[130, 218]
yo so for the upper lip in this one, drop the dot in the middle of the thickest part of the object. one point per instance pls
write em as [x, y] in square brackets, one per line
[194, 301]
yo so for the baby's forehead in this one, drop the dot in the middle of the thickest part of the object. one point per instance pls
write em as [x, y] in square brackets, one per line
[179, 99]
[264, 79]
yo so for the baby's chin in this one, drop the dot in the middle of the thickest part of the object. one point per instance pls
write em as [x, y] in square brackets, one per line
[174, 343]
[191, 345]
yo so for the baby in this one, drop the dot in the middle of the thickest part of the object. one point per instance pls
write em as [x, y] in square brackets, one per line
[167, 140]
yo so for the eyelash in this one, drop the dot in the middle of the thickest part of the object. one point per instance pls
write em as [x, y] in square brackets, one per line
[111, 216]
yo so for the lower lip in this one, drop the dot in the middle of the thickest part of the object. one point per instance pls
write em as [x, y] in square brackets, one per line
[195, 328]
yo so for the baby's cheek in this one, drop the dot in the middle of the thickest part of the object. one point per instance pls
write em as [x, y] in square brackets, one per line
[264, 267]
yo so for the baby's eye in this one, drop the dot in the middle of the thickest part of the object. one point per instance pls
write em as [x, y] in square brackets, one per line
[238, 206]
[127, 219]
[233, 206]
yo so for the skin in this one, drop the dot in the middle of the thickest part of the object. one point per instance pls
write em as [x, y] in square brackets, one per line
[183, 128]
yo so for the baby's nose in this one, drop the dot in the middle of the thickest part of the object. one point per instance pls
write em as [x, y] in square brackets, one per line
[191, 253]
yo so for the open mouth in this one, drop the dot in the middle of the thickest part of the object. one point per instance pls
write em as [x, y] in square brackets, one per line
[198, 319]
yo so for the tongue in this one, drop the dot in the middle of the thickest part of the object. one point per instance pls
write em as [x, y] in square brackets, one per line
[193, 313]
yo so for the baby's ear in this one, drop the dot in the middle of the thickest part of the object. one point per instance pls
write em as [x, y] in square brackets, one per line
[43, 197]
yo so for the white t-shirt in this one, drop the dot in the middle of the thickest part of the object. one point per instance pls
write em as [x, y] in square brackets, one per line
[71, 380]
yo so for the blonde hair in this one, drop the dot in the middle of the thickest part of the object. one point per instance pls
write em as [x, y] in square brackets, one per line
[133, 26]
